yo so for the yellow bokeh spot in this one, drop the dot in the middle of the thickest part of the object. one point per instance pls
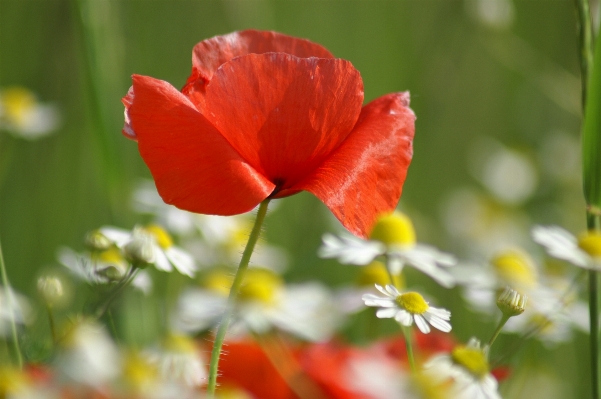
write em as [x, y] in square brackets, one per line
[179, 343]
[138, 371]
[218, 280]
[471, 359]
[239, 235]
[17, 103]
[375, 273]
[590, 242]
[412, 302]
[260, 285]
[229, 392]
[160, 235]
[427, 387]
[515, 268]
[394, 229]
[11, 381]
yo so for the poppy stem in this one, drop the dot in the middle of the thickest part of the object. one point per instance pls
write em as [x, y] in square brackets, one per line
[231, 301]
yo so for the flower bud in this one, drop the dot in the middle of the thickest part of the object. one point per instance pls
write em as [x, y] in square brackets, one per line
[96, 241]
[511, 302]
[140, 250]
[50, 289]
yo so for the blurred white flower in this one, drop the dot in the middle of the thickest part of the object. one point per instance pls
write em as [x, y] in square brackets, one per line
[166, 254]
[88, 355]
[584, 252]
[13, 306]
[394, 237]
[482, 225]
[498, 14]
[23, 116]
[407, 308]
[178, 360]
[509, 175]
[465, 371]
[308, 311]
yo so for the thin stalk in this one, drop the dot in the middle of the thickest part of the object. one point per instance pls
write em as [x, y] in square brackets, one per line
[502, 322]
[11, 307]
[115, 293]
[51, 323]
[585, 38]
[231, 300]
[409, 347]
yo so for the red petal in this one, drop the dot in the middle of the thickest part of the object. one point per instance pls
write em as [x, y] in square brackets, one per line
[283, 114]
[193, 166]
[210, 54]
[364, 177]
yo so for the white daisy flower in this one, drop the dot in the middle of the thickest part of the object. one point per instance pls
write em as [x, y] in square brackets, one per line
[467, 372]
[584, 251]
[264, 302]
[88, 355]
[179, 360]
[407, 308]
[23, 116]
[166, 254]
[13, 306]
[394, 237]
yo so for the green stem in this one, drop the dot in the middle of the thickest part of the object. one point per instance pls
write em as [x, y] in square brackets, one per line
[115, 293]
[11, 307]
[231, 300]
[585, 39]
[51, 323]
[498, 329]
[409, 347]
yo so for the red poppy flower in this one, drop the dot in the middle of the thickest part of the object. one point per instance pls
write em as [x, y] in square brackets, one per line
[268, 115]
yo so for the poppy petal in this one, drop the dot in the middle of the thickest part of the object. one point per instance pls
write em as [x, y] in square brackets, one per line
[127, 101]
[210, 54]
[364, 177]
[193, 166]
[284, 115]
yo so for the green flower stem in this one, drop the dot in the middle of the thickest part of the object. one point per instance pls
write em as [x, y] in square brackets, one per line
[125, 281]
[51, 323]
[231, 300]
[585, 38]
[10, 299]
[409, 346]
[498, 329]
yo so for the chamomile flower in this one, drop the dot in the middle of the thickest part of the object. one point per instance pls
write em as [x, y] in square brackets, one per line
[264, 302]
[394, 237]
[13, 307]
[584, 251]
[23, 116]
[166, 254]
[178, 360]
[466, 371]
[407, 308]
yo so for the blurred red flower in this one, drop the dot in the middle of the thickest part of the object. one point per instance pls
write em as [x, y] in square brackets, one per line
[268, 115]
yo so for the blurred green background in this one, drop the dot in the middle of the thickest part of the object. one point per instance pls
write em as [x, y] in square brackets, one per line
[475, 69]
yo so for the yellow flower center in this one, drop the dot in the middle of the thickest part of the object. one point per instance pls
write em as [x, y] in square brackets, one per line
[412, 302]
[260, 285]
[17, 102]
[394, 229]
[375, 273]
[111, 255]
[179, 343]
[163, 238]
[471, 359]
[516, 269]
[590, 242]
[219, 281]
[239, 235]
